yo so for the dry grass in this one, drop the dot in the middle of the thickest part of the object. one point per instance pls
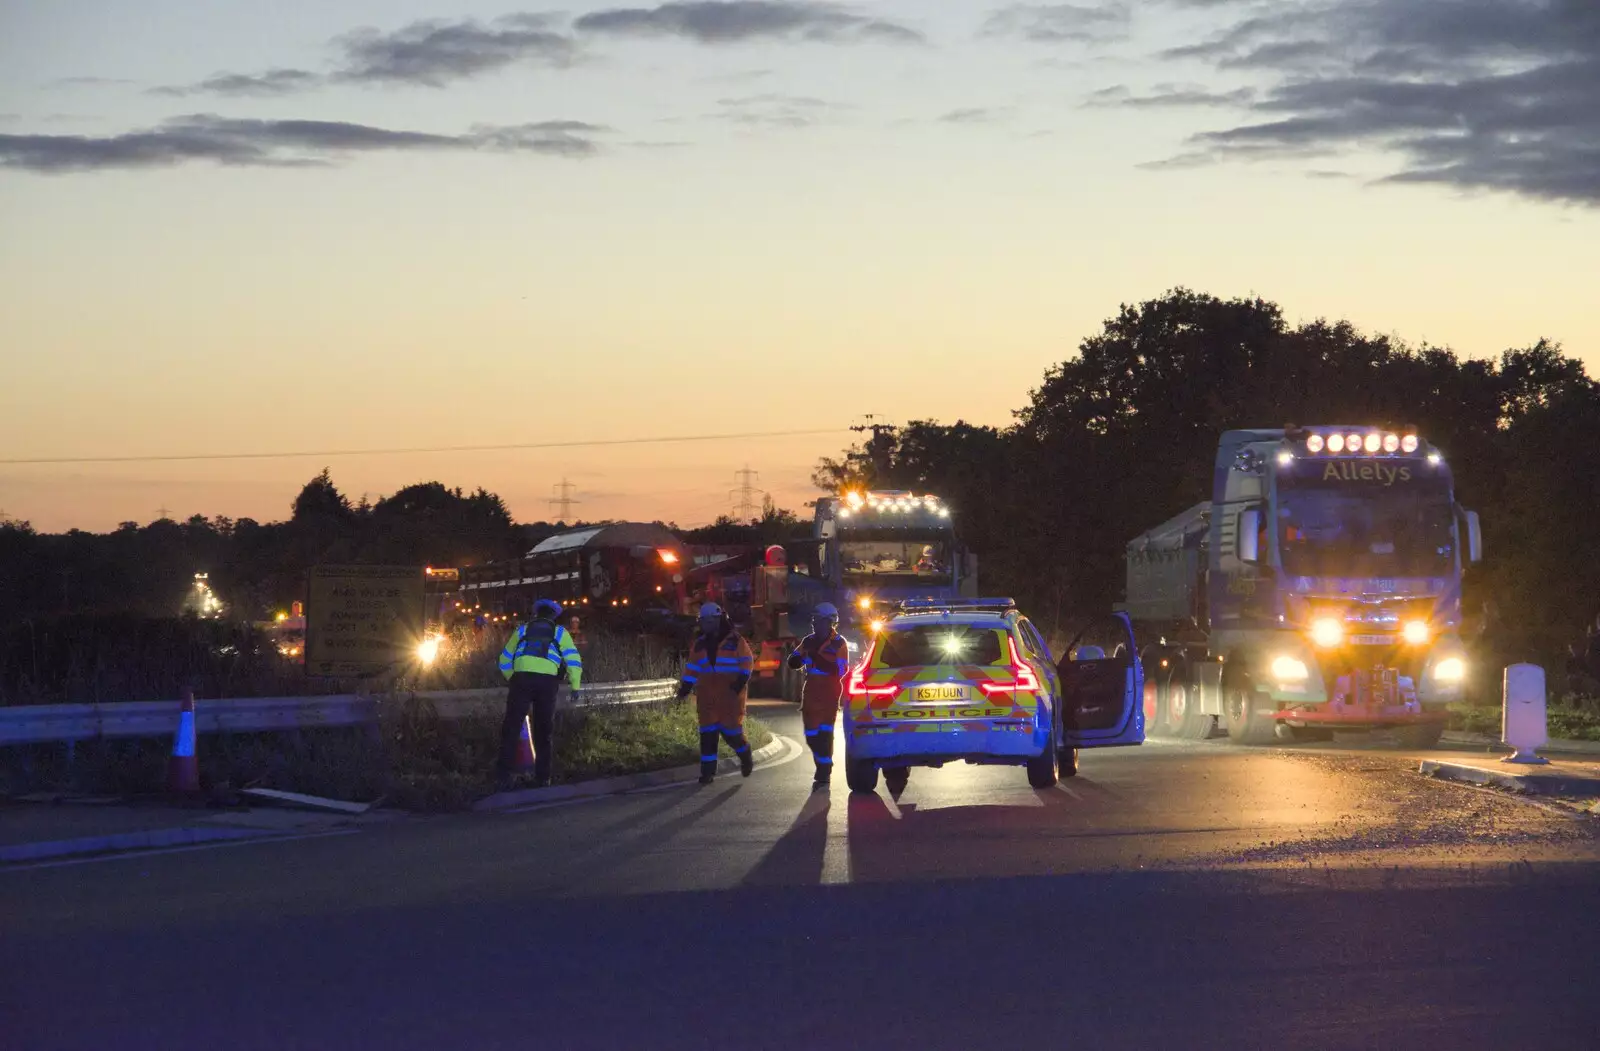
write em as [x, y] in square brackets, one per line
[412, 759]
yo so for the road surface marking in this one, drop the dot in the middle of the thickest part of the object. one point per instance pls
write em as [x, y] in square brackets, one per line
[186, 848]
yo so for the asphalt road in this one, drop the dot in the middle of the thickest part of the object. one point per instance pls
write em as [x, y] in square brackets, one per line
[1171, 895]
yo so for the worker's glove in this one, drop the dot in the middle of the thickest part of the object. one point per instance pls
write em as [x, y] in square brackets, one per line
[683, 689]
[739, 684]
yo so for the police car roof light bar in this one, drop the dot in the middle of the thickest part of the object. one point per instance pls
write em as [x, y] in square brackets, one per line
[919, 605]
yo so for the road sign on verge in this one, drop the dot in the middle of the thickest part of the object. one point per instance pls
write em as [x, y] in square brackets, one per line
[362, 619]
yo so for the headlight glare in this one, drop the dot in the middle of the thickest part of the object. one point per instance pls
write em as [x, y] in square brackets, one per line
[1416, 632]
[1288, 669]
[1451, 669]
[1327, 632]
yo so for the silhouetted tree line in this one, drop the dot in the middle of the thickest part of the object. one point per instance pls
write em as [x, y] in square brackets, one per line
[254, 567]
[1116, 440]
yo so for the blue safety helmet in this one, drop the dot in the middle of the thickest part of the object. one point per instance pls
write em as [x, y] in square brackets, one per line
[548, 609]
[825, 615]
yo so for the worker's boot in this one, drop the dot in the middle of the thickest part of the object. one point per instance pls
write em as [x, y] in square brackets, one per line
[822, 749]
[708, 755]
[741, 748]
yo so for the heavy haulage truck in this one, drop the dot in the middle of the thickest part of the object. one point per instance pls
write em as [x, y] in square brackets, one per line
[1319, 589]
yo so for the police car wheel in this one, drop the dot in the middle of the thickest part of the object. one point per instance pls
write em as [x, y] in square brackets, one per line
[861, 775]
[1042, 770]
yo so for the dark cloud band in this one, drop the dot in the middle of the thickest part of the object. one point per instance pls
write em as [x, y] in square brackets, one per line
[277, 143]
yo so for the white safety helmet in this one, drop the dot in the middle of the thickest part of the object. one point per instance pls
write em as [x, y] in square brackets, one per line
[711, 617]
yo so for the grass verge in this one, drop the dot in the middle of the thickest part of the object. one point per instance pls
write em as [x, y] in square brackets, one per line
[1571, 719]
[412, 759]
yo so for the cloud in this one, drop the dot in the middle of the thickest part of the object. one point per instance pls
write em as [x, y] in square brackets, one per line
[429, 53]
[1173, 96]
[1495, 95]
[433, 53]
[773, 110]
[277, 143]
[88, 82]
[272, 82]
[733, 21]
[974, 115]
[1059, 23]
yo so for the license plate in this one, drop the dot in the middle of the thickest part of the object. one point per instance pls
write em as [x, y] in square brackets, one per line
[940, 693]
[1372, 640]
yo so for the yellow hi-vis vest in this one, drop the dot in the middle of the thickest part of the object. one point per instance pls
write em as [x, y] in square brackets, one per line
[562, 653]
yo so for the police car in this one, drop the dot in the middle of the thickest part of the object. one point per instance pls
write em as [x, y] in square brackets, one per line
[973, 680]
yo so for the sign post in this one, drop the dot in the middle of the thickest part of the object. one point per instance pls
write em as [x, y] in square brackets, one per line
[362, 619]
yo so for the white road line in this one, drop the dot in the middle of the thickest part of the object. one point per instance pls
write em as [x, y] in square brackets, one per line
[152, 851]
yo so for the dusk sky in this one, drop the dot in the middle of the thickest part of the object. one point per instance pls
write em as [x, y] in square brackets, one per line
[351, 224]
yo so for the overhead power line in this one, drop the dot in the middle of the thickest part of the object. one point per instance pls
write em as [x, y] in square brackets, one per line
[312, 454]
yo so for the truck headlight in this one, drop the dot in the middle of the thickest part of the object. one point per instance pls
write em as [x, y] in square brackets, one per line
[1416, 632]
[1327, 632]
[1451, 670]
[1288, 669]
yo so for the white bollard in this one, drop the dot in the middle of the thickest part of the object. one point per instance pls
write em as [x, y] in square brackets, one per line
[1522, 720]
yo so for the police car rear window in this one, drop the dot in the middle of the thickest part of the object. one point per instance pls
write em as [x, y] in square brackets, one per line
[921, 644]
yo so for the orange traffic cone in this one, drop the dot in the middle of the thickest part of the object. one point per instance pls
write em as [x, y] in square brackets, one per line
[525, 747]
[183, 769]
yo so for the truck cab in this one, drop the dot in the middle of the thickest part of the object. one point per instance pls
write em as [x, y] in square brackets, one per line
[1318, 590]
[878, 549]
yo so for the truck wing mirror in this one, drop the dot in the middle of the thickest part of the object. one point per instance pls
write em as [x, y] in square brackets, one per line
[1249, 535]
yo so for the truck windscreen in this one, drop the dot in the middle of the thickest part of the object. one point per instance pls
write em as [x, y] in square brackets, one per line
[925, 560]
[1381, 521]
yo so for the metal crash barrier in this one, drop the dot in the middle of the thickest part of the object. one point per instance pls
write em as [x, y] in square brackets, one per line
[42, 723]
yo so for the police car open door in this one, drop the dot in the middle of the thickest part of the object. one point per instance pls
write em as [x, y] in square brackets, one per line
[1102, 686]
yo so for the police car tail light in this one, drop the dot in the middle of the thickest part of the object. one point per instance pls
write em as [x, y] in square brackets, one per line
[856, 685]
[1024, 678]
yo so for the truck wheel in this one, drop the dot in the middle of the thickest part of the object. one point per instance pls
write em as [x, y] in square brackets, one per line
[1248, 717]
[861, 775]
[1042, 769]
[1155, 709]
[1418, 735]
[1183, 711]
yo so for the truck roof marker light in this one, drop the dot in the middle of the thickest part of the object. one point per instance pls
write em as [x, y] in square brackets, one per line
[1434, 459]
[1408, 443]
[944, 512]
[1336, 443]
[1285, 458]
[1374, 442]
[1315, 444]
[1391, 443]
[1352, 442]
